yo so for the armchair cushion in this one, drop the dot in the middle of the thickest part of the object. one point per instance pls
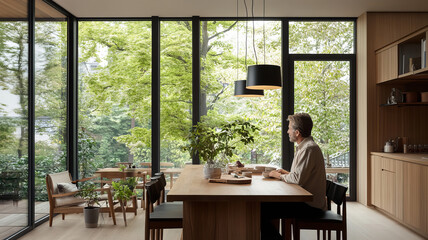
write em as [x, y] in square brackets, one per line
[66, 187]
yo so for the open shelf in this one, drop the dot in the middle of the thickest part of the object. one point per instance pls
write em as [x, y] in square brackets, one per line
[405, 104]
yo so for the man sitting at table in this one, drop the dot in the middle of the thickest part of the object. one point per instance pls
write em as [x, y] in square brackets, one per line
[307, 170]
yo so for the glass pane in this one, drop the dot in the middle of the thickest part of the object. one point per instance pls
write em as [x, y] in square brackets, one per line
[114, 94]
[176, 91]
[322, 89]
[220, 68]
[51, 100]
[321, 37]
[13, 118]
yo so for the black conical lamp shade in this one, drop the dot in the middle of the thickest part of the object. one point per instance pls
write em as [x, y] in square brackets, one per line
[242, 91]
[264, 77]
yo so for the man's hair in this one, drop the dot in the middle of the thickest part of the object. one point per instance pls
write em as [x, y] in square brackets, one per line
[302, 122]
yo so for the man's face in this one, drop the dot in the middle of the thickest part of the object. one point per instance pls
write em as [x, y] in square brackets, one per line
[292, 134]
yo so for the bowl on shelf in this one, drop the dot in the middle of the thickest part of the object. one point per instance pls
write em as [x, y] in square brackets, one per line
[410, 97]
[424, 97]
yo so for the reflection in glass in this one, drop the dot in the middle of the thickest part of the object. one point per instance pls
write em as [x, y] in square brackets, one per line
[13, 126]
[50, 107]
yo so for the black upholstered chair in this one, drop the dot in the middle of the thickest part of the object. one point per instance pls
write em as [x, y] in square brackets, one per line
[329, 220]
[160, 215]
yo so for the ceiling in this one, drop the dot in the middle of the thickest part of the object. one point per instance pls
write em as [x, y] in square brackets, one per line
[227, 8]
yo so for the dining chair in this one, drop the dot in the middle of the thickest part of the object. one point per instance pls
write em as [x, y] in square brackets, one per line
[160, 215]
[329, 220]
[61, 190]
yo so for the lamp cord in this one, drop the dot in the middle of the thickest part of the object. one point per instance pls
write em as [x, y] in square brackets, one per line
[237, 39]
[246, 32]
[264, 33]
[254, 45]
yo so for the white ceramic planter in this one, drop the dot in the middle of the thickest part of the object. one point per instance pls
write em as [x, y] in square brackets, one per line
[212, 172]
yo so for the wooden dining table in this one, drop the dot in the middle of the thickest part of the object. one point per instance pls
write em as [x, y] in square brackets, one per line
[228, 211]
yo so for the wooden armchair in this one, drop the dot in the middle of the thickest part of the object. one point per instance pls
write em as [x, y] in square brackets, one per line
[65, 202]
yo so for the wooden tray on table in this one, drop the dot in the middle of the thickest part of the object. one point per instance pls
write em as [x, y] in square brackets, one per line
[229, 179]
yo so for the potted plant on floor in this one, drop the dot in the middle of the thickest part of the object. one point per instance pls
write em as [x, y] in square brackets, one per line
[88, 192]
[215, 145]
[123, 191]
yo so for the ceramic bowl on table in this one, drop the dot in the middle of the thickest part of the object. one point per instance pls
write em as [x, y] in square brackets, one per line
[266, 174]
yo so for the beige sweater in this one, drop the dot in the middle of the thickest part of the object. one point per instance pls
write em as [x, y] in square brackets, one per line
[308, 171]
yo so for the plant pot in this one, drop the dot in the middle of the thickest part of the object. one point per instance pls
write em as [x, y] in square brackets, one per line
[91, 216]
[212, 172]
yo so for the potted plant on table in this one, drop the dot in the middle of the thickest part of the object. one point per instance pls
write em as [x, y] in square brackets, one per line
[215, 145]
[88, 192]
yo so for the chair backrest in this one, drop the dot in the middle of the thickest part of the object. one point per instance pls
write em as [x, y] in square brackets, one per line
[128, 164]
[146, 164]
[53, 179]
[167, 165]
[153, 189]
[337, 193]
[162, 179]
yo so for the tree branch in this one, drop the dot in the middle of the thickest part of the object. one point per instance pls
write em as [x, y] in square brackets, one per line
[226, 30]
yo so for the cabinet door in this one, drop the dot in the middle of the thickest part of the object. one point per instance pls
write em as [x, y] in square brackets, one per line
[376, 175]
[388, 185]
[399, 190]
[414, 199]
[387, 64]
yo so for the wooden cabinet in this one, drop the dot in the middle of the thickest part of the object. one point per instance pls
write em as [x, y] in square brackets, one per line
[376, 164]
[400, 189]
[386, 187]
[387, 64]
[414, 197]
[403, 59]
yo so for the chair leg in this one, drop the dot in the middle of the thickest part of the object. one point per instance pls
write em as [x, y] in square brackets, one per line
[50, 216]
[323, 235]
[318, 234]
[337, 235]
[329, 234]
[345, 234]
[143, 199]
[286, 228]
[134, 204]
[63, 216]
[296, 231]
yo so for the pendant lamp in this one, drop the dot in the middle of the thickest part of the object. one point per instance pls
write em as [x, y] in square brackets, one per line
[263, 76]
[241, 85]
[242, 91]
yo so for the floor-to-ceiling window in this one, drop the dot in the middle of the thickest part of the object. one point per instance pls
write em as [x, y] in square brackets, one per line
[13, 118]
[322, 87]
[227, 48]
[50, 100]
[175, 91]
[114, 94]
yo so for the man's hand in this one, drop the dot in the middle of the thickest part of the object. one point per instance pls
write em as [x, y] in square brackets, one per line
[282, 171]
[275, 174]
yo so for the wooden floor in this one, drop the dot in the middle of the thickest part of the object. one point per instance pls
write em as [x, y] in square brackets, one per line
[363, 223]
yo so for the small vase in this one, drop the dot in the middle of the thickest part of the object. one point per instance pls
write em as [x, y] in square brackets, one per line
[212, 172]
